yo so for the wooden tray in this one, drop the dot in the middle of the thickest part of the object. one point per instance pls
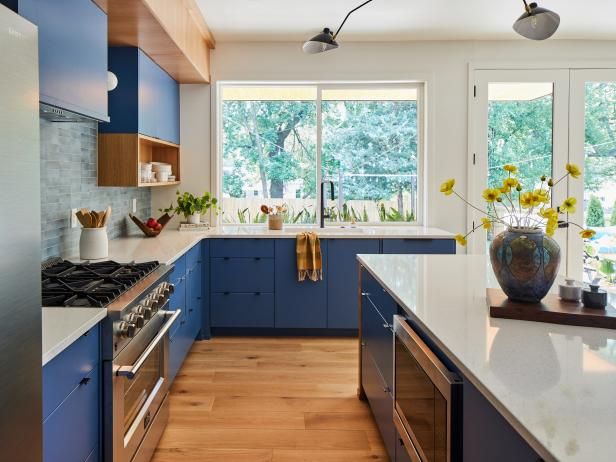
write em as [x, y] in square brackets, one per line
[551, 309]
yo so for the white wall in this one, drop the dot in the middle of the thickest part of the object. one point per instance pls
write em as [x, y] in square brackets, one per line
[443, 65]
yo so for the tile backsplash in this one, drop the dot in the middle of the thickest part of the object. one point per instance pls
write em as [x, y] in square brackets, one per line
[68, 180]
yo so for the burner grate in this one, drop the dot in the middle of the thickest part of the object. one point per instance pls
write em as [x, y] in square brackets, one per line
[90, 284]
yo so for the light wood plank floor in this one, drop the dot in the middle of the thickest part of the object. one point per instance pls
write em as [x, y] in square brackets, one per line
[270, 400]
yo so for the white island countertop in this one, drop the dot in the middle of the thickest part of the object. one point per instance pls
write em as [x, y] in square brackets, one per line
[169, 245]
[555, 384]
[62, 326]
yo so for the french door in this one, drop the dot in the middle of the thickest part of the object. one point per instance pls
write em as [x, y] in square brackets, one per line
[540, 120]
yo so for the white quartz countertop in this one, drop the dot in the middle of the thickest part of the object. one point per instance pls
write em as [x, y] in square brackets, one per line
[555, 384]
[171, 243]
[62, 326]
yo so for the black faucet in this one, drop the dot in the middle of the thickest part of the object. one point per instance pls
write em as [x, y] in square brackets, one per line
[323, 214]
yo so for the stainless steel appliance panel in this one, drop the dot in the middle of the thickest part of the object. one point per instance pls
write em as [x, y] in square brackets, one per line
[20, 238]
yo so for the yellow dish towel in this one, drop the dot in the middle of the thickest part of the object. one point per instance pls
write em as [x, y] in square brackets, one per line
[308, 250]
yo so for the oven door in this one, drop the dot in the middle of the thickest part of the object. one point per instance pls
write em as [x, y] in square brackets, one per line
[140, 386]
[426, 396]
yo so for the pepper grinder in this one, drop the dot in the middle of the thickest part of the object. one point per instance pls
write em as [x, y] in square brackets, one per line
[594, 297]
[570, 292]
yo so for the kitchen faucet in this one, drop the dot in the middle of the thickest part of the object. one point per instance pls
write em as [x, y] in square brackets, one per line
[323, 214]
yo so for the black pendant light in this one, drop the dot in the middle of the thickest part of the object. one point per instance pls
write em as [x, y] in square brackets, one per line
[536, 23]
[326, 41]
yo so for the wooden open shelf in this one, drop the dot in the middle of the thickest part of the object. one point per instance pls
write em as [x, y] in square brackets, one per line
[119, 155]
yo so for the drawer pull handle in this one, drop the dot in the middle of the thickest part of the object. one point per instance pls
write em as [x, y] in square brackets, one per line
[386, 326]
[257, 293]
[198, 298]
[226, 258]
[226, 293]
[257, 258]
[190, 310]
[85, 381]
[365, 294]
[386, 390]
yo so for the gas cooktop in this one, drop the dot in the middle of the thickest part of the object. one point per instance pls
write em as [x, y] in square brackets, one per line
[90, 284]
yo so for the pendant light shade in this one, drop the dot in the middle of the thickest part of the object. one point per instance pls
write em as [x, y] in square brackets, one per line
[537, 23]
[320, 43]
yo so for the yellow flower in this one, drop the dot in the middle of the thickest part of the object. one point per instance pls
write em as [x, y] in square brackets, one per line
[542, 196]
[568, 205]
[510, 182]
[527, 200]
[587, 233]
[510, 168]
[447, 187]
[504, 189]
[487, 223]
[551, 228]
[491, 195]
[460, 239]
[573, 170]
[548, 213]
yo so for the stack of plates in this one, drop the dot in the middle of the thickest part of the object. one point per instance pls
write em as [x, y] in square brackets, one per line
[146, 172]
[162, 170]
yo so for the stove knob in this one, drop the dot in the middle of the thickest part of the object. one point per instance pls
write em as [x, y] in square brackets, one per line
[151, 303]
[139, 310]
[147, 312]
[170, 287]
[124, 329]
[139, 321]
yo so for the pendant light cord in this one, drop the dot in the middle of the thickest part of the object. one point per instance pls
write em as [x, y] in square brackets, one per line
[528, 9]
[354, 10]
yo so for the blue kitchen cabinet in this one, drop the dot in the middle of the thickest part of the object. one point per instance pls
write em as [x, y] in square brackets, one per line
[205, 289]
[419, 246]
[72, 402]
[194, 291]
[343, 280]
[72, 53]
[299, 304]
[146, 100]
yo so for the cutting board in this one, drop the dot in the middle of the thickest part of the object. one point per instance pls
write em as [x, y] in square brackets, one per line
[551, 309]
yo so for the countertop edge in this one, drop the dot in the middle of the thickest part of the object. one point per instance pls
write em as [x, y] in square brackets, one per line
[72, 336]
[532, 441]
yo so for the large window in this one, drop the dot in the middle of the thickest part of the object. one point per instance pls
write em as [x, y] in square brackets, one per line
[279, 142]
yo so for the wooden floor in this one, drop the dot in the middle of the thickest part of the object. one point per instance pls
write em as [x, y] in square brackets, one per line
[269, 400]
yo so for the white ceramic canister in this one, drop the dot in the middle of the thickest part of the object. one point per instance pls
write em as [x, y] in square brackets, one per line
[93, 243]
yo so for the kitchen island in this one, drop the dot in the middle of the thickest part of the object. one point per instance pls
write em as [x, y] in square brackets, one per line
[553, 385]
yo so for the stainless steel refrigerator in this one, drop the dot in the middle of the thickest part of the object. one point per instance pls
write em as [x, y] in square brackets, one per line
[20, 242]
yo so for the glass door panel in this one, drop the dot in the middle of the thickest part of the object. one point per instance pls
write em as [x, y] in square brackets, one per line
[519, 118]
[594, 148]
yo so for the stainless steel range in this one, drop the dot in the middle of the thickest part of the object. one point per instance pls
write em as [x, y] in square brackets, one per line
[134, 346]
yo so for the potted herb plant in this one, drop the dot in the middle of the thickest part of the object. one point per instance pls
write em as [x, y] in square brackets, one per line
[525, 259]
[192, 207]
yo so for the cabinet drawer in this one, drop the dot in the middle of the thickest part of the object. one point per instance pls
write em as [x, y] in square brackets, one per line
[193, 256]
[72, 430]
[242, 310]
[381, 401]
[178, 302]
[63, 374]
[419, 246]
[242, 248]
[378, 297]
[179, 270]
[242, 274]
[377, 336]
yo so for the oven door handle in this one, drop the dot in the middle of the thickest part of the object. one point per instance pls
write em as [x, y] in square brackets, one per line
[130, 371]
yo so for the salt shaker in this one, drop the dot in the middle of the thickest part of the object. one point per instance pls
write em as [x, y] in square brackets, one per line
[570, 291]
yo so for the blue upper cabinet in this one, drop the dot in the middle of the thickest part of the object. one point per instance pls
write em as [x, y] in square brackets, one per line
[146, 100]
[72, 53]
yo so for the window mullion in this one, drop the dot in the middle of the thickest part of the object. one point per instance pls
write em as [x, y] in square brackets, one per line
[318, 166]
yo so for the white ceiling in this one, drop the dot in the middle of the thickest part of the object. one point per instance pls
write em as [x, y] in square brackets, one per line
[398, 20]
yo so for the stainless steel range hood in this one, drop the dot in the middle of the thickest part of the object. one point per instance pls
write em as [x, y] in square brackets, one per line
[54, 114]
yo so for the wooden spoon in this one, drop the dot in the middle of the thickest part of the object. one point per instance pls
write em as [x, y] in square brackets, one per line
[106, 216]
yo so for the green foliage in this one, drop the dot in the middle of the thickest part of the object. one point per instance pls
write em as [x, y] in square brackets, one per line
[188, 204]
[613, 217]
[594, 214]
[608, 268]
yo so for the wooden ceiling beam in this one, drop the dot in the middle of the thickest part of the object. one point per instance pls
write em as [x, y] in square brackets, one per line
[173, 33]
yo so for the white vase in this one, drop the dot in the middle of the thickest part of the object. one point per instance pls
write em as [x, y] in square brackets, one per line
[194, 219]
[93, 243]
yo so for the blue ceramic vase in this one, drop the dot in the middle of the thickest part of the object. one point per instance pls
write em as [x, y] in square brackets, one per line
[525, 262]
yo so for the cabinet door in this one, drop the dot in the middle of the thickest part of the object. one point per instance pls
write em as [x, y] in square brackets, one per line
[194, 299]
[168, 111]
[299, 304]
[205, 280]
[419, 246]
[149, 96]
[71, 432]
[342, 280]
[377, 337]
[72, 54]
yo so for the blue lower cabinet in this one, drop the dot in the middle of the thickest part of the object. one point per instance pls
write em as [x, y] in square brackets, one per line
[244, 310]
[377, 337]
[237, 275]
[71, 432]
[419, 246]
[205, 289]
[242, 248]
[380, 398]
[194, 299]
[343, 280]
[299, 304]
